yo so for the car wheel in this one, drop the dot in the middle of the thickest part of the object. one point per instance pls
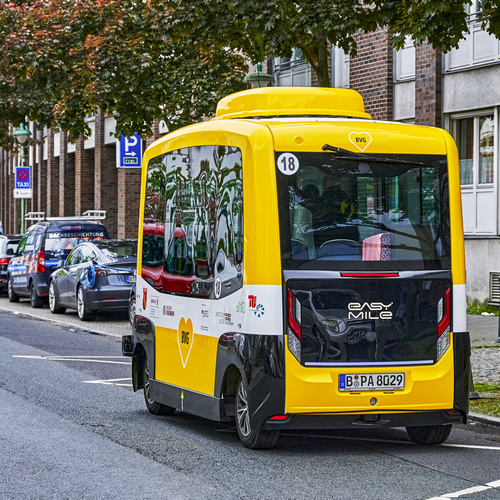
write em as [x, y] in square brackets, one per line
[35, 299]
[84, 313]
[131, 310]
[430, 434]
[153, 406]
[13, 297]
[54, 306]
[250, 436]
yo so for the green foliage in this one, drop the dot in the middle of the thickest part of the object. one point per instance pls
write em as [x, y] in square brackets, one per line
[61, 61]
[477, 307]
[142, 60]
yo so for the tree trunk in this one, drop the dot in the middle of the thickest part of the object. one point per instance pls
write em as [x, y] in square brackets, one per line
[322, 71]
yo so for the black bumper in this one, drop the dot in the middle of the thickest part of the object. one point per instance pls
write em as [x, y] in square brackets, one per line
[364, 421]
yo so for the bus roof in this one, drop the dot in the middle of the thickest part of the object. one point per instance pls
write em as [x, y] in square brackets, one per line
[306, 118]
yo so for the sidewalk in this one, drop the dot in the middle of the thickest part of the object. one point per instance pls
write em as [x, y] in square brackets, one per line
[112, 324]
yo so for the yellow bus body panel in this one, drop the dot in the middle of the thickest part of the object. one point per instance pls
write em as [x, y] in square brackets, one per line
[198, 374]
[316, 390]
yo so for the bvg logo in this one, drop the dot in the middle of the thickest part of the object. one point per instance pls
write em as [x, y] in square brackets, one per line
[369, 310]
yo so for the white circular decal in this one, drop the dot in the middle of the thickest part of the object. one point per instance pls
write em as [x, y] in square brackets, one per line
[288, 163]
[218, 288]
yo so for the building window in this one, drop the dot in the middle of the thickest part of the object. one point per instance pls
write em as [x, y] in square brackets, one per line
[476, 141]
[405, 62]
[474, 137]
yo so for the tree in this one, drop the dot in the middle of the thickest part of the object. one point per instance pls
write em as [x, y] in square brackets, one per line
[141, 60]
[64, 59]
[272, 28]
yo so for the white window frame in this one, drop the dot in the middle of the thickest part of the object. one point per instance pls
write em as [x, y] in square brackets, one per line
[475, 190]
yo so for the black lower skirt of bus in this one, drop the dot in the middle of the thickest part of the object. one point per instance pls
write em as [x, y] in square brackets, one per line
[367, 420]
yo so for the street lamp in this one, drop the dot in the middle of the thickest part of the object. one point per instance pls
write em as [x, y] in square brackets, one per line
[258, 79]
[22, 135]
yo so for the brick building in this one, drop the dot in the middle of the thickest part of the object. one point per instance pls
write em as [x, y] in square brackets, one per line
[69, 179]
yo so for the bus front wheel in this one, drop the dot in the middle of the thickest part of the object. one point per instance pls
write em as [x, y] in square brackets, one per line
[153, 406]
[252, 438]
[430, 434]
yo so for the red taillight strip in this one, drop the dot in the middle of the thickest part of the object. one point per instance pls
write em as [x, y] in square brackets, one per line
[4, 261]
[446, 316]
[369, 275]
[294, 326]
[279, 417]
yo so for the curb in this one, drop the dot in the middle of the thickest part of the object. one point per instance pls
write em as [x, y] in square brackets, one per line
[64, 323]
[484, 419]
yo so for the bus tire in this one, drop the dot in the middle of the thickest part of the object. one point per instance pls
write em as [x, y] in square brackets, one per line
[153, 406]
[430, 434]
[255, 439]
[12, 296]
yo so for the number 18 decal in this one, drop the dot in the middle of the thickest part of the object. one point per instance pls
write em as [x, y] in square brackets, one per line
[288, 163]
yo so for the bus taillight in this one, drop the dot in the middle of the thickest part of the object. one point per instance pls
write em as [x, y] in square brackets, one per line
[294, 319]
[443, 329]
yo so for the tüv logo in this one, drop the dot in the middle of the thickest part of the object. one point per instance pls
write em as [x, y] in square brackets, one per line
[369, 310]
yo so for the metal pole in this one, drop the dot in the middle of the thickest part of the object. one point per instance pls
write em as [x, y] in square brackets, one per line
[22, 199]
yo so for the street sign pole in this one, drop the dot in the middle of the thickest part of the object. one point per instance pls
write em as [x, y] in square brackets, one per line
[23, 160]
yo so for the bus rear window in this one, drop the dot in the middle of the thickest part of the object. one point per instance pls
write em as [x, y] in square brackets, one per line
[382, 212]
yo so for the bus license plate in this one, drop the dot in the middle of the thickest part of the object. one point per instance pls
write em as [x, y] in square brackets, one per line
[355, 382]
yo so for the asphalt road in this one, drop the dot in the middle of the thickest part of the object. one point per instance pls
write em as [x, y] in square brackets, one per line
[71, 427]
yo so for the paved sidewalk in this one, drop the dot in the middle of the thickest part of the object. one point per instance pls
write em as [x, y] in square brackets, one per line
[112, 324]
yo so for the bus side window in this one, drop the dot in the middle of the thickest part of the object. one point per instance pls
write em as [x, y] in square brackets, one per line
[203, 221]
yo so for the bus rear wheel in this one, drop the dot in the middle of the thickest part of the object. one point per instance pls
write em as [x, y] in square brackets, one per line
[153, 406]
[430, 434]
[256, 439]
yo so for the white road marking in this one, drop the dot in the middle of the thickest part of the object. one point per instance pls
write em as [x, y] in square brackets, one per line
[473, 446]
[468, 491]
[111, 381]
[88, 359]
[395, 441]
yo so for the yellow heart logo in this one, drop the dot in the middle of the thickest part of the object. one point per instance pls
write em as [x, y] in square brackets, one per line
[360, 139]
[185, 339]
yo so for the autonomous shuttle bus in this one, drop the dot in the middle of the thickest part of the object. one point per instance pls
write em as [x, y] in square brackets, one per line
[301, 266]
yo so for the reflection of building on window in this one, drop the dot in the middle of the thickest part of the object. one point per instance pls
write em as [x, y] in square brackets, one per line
[203, 220]
[474, 137]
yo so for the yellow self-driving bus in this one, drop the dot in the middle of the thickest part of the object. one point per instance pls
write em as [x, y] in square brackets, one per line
[302, 266]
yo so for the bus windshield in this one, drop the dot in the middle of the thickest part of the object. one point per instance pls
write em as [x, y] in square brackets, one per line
[382, 212]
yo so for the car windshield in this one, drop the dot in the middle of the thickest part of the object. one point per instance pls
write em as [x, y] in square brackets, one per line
[341, 213]
[61, 243]
[118, 249]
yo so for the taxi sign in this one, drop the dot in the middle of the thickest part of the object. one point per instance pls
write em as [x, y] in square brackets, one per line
[23, 183]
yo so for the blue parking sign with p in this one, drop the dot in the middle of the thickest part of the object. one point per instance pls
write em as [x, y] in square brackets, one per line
[130, 151]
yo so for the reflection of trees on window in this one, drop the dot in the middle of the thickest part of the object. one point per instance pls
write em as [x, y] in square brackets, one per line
[486, 149]
[153, 228]
[204, 219]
